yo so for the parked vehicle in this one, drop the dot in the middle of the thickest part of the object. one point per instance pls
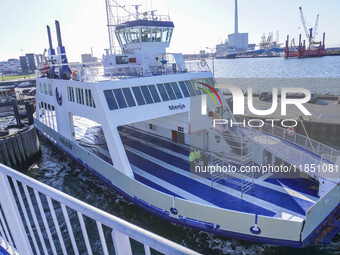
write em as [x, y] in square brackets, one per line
[266, 96]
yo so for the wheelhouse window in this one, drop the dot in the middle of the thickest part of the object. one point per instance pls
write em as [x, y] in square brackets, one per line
[127, 36]
[118, 38]
[156, 35]
[121, 37]
[134, 32]
[166, 34]
[146, 34]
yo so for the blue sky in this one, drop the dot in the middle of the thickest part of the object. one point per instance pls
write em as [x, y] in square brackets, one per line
[199, 23]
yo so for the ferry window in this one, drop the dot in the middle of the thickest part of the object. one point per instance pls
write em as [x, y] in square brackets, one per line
[129, 98]
[166, 35]
[190, 88]
[184, 89]
[170, 91]
[122, 37]
[134, 32]
[49, 88]
[120, 98]
[44, 88]
[146, 94]
[197, 85]
[77, 95]
[212, 82]
[138, 95]
[86, 97]
[156, 35]
[122, 60]
[176, 90]
[162, 91]
[146, 34]
[90, 99]
[82, 101]
[70, 94]
[111, 101]
[127, 36]
[154, 93]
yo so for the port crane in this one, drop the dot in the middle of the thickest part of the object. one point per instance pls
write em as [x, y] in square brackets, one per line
[310, 33]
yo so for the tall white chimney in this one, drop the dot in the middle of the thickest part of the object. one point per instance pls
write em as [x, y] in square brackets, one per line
[236, 18]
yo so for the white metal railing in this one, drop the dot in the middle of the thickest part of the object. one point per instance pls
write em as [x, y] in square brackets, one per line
[241, 154]
[147, 16]
[297, 139]
[37, 219]
[96, 72]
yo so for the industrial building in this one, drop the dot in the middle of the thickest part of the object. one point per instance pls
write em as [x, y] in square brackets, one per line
[236, 42]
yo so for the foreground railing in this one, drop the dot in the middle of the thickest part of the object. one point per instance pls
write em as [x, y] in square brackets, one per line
[37, 219]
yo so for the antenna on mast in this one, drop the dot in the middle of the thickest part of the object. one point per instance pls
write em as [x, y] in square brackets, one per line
[112, 20]
[137, 8]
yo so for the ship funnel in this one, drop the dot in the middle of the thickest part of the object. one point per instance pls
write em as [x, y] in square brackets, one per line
[49, 37]
[57, 26]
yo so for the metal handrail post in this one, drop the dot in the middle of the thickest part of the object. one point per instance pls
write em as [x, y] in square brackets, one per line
[13, 218]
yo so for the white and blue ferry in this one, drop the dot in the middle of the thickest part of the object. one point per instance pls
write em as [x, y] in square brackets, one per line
[130, 123]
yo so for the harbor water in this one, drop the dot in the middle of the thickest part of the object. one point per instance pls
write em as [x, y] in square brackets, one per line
[60, 171]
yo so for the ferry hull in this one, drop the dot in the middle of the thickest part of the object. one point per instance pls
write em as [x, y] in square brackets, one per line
[275, 229]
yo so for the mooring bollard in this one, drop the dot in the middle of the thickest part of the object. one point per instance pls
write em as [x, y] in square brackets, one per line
[19, 148]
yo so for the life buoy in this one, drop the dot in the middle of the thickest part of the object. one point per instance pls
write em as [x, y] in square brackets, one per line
[291, 131]
[74, 74]
[203, 63]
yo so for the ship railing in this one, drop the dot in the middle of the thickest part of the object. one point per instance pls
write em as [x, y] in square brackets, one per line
[194, 67]
[96, 72]
[38, 219]
[144, 16]
[300, 159]
[295, 138]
